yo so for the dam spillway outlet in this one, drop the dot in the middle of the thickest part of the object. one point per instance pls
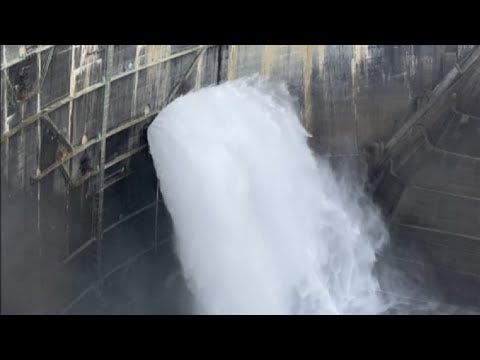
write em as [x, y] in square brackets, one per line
[174, 179]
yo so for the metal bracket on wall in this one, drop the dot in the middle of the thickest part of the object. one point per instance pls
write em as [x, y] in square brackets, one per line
[458, 112]
[57, 132]
[108, 165]
[64, 159]
[80, 149]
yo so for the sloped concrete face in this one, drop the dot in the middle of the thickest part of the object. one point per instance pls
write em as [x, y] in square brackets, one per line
[435, 216]
[354, 97]
[73, 121]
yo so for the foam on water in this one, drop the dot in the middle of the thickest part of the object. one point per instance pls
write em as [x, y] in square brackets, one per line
[261, 225]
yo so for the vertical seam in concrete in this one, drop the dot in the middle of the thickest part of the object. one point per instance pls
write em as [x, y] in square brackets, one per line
[131, 140]
[232, 62]
[39, 131]
[135, 81]
[268, 53]
[198, 77]
[307, 77]
[21, 139]
[4, 119]
[106, 103]
[4, 102]
[69, 137]
[157, 195]
[165, 82]
[39, 148]
[219, 65]
[70, 102]
[357, 54]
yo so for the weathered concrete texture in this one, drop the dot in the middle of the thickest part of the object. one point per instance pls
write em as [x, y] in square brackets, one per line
[88, 67]
[150, 89]
[124, 57]
[439, 211]
[59, 226]
[349, 97]
[439, 206]
[121, 95]
[443, 172]
[56, 83]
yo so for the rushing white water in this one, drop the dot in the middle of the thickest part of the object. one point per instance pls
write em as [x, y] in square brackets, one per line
[261, 225]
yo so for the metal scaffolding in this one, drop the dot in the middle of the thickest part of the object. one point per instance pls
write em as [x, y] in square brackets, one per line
[44, 55]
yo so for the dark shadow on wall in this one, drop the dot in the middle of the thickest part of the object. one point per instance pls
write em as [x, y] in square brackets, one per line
[138, 275]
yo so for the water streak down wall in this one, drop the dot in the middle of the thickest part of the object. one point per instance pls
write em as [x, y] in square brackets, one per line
[73, 120]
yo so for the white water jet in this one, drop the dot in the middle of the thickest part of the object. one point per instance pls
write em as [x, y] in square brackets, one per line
[261, 225]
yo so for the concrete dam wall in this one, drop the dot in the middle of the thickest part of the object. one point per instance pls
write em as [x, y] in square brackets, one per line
[84, 228]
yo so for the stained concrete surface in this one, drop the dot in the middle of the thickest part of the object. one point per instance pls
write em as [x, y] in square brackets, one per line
[350, 97]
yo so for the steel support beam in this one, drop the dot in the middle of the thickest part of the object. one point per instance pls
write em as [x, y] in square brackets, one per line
[103, 137]
[27, 54]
